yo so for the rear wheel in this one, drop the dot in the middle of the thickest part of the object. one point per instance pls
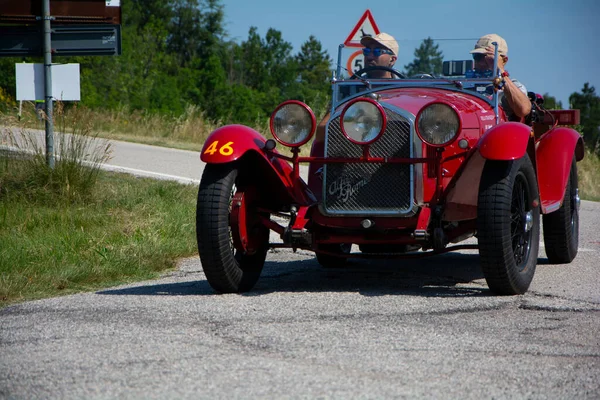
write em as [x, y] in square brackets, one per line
[231, 240]
[508, 225]
[561, 227]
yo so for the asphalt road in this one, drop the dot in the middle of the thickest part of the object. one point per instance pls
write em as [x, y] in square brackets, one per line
[376, 329]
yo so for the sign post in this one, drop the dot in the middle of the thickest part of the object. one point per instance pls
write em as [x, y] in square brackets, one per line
[80, 28]
[48, 87]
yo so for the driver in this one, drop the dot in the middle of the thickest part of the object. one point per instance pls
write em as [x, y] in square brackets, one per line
[380, 50]
[513, 95]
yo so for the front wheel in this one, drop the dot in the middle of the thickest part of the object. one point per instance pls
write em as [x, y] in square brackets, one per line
[232, 242]
[561, 227]
[508, 225]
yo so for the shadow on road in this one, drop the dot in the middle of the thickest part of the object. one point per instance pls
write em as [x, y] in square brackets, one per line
[439, 276]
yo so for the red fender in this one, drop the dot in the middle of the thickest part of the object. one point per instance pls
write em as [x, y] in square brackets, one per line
[554, 153]
[507, 141]
[231, 142]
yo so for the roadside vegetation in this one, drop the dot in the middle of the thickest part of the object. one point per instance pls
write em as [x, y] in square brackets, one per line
[187, 131]
[76, 228]
[589, 177]
[57, 241]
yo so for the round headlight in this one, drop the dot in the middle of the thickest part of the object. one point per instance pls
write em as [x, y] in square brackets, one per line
[438, 124]
[293, 123]
[363, 121]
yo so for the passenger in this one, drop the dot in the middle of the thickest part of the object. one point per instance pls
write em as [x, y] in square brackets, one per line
[513, 95]
[380, 50]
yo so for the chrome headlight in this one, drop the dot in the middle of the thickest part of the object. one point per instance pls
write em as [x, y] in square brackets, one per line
[363, 121]
[438, 124]
[293, 123]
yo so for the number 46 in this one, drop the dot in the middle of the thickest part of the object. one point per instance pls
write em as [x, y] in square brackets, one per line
[225, 150]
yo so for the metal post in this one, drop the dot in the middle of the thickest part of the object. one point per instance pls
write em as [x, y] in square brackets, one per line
[495, 75]
[48, 85]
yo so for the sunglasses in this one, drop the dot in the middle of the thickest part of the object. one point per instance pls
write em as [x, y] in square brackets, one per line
[478, 56]
[376, 51]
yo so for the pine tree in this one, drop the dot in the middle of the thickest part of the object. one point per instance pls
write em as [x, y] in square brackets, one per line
[550, 102]
[588, 103]
[428, 59]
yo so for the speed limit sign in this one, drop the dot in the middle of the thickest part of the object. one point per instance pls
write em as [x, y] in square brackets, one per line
[356, 61]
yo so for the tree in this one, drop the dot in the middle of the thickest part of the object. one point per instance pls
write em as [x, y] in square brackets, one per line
[550, 102]
[195, 30]
[267, 64]
[313, 68]
[314, 65]
[428, 59]
[139, 13]
[184, 31]
[212, 31]
[252, 67]
[588, 104]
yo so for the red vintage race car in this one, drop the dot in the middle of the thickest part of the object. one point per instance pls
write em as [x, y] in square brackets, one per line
[400, 168]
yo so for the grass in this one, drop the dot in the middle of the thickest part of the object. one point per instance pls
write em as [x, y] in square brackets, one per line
[76, 228]
[187, 131]
[124, 229]
[589, 177]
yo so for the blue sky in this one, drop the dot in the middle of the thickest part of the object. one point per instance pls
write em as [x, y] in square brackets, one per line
[552, 44]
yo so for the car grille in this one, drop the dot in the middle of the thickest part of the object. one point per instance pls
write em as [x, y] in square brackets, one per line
[361, 188]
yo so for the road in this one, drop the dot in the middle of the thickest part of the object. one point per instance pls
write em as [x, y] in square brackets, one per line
[376, 329]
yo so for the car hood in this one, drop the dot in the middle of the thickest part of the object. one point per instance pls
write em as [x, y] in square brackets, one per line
[414, 99]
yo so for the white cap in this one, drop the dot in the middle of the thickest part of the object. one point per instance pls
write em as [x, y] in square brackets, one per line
[382, 39]
[487, 40]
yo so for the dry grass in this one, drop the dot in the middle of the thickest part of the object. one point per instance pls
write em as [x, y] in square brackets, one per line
[589, 177]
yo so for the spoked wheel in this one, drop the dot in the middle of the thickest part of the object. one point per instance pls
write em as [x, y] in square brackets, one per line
[331, 261]
[232, 242]
[561, 227]
[508, 225]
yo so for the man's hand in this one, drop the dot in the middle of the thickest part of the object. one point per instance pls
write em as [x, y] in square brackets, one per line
[489, 59]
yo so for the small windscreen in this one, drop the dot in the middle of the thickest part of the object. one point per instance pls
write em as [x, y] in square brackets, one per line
[456, 68]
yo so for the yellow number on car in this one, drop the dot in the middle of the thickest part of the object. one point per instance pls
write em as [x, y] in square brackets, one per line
[225, 150]
[212, 148]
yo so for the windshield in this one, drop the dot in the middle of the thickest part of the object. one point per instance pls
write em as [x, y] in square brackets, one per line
[442, 63]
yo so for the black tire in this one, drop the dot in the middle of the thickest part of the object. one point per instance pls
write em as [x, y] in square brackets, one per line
[508, 225]
[561, 227]
[329, 261]
[227, 269]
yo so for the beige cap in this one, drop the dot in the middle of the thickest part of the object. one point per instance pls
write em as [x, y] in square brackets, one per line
[382, 39]
[487, 40]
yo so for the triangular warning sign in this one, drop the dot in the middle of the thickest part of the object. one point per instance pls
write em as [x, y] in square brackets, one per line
[366, 26]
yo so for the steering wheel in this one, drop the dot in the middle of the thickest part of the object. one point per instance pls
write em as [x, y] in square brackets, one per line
[377, 68]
